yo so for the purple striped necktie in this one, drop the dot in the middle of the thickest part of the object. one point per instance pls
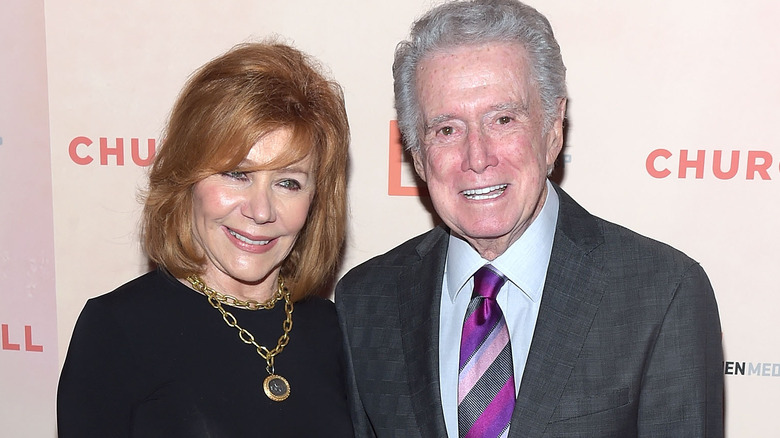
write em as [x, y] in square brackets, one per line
[486, 384]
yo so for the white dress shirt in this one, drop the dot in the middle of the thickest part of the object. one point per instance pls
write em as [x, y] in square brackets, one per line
[524, 264]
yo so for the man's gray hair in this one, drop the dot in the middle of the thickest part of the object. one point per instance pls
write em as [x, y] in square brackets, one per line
[475, 22]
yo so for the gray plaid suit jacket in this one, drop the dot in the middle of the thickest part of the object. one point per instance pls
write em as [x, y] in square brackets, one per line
[627, 342]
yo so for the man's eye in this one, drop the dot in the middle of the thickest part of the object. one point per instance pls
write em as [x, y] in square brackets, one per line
[447, 130]
[503, 120]
[290, 184]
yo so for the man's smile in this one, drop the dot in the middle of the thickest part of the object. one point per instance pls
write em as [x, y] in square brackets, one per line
[485, 193]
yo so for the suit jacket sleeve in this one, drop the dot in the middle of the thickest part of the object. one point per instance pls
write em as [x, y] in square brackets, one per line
[360, 422]
[682, 388]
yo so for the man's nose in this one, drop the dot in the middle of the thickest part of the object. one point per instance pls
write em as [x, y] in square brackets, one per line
[479, 153]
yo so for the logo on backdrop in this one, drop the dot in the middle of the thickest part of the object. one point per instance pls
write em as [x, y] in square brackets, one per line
[717, 164]
[757, 369]
[106, 151]
[18, 339]
[398, 161]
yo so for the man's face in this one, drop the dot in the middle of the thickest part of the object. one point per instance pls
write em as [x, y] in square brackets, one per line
[484, 154]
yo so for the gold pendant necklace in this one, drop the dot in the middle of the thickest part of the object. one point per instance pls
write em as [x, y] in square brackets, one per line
[276, 387]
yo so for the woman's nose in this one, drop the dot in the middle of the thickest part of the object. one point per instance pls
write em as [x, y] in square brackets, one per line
[259, 205]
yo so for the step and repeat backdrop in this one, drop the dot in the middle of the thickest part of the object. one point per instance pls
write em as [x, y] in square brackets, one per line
[672, 131]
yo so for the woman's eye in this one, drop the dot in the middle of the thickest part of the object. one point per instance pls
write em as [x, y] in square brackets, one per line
[290, 184]
[235, 174]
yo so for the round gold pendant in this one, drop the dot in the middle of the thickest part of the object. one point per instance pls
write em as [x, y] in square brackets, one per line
[276, 387]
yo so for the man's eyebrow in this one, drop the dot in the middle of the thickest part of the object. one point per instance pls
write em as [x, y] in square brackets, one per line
[511, 106]
[518, 107]
[439, 119]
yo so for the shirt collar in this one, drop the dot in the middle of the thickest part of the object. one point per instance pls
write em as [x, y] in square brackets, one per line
[524, 263]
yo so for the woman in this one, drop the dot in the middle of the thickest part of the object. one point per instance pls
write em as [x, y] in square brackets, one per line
[245, 216]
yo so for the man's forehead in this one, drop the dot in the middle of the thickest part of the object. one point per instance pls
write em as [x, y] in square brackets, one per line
[474, 66]
[448, 99]
[468, 54]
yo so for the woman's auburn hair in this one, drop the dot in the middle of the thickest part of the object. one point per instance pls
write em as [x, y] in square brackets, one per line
[223, 110]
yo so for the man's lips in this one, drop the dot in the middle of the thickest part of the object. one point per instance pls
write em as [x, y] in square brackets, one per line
[484, 193]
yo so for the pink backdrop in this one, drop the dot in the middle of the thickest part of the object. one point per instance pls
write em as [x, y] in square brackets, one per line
[28, 319]
[672, 131]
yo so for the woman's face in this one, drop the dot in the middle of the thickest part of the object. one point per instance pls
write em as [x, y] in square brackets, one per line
[247, 221]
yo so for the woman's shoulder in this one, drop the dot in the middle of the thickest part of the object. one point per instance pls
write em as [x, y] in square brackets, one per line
[315, 311]
[141, 309]
[316, 304]
[157, 286]
[147, 300]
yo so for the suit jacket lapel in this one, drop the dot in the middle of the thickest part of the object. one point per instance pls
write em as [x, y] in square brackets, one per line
[572, 293]
[418, 306]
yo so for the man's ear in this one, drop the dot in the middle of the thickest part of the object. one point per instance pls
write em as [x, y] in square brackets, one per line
[555, 135]
[419, 166]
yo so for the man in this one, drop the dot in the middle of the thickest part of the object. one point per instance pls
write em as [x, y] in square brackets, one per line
[523, 315]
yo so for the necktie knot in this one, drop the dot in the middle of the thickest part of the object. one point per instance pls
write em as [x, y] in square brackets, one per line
[487, 282]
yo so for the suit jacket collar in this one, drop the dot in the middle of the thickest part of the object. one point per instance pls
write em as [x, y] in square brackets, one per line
[419, 297]
[572, 293]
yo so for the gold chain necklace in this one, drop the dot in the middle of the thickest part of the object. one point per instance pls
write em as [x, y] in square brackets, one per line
[275, 386]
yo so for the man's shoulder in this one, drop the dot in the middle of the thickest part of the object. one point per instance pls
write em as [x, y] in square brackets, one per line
[631, 265]
[633, 245]
[629, 257]
[614, 241]
[407, 252]
[385, 266]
